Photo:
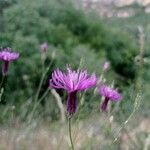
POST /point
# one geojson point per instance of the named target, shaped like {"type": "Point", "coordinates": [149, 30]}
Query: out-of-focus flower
{"type": "Point", "coordinates": [73, 82]}
{"type": "Point", "coordinates": [106, 66]}
{"type": "Point", "coordinates": [44, 47]}
{"type": "Point", "coordinates": [7, 55]}
{"type": "Point", "coordinates": [110, 94]}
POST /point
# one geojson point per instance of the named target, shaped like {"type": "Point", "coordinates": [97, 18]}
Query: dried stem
{"type": "Point", "coordinates": [138, 88]}
{"type": "Point", "coordinates": [60, 105]}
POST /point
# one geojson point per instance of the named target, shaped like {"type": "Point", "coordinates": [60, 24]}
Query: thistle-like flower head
{"type": "Point", "coordinates": [7, 55]}
{"type": "Point", "coordinates": [110, 94]}
{"type": "Point", "coordinates": [44, 47]}
{"type": "Point", "coordinates": [106, 66]}
{"type": "Point", "coordinates": [72, 81]}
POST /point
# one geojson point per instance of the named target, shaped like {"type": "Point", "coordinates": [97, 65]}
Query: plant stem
{"type": "Point", "coordinates": [42, 79]}
{"type": "Point", "coordinates": [37, 103]}
{"type": "Point", "coordinates": [3, 77]}
{"type": "Point", "coordinates": [70, 136]}
{"type": "Point", "coordinates": [39, 87]}
{"type": "Point", "coordinates": [138, 84]}
{"type": "Point", "coordinates": [36, 100]}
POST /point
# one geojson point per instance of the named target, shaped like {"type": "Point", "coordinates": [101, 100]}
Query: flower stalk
{"type": "Point", "coordinates": [3, 77]}
{"type": "Point", "coordinates": [70, 133]}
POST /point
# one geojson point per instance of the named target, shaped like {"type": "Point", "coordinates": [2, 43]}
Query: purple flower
{"type": "Point", "coordinates": [44, 47]}
{"type": "Point", "coordinates": [73, 82]}
{"type": "Point", "coordinates": [7, 55]}
{"type": "Point", "coordinates": [110, 94]}
{"type": "Point", "coordinates": [106, 66]}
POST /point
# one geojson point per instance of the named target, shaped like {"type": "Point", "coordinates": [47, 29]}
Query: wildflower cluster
{"type": "Point", "coordinates": [76, 81]}
{"type": "Point", "coordinates": [73, 81]}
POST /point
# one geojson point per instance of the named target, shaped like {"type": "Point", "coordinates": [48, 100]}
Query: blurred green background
{"type": "Point", "coordinates": [82, 38]}
{"type": "Point", "coordinates": [75, 37]}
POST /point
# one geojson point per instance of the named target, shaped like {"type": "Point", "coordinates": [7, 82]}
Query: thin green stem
{"type": "Point", "coordinates": [37, 104]}
{"type": "Point", "coordinates": [138, 86]}
{"type": "Point", "coordinates": [70, 135]}
{"type": "Point", "coordinates": [1, 88]}
{"type": "Point", "coordinates": [39, 87]}
{"type": "Point", "coordinates": [42, 79]}
{"type": "Point", "coordinates": [44, 95]}
{"type": "Point", "coordinates": [3, 77]}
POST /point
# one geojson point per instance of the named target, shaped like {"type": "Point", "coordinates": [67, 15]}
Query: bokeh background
{"type": "Point", "coordinates": [83, 33]}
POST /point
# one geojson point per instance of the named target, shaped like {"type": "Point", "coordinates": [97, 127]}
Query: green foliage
{"type": "Point", "coordinates": [121, 52]}
{"type": "Point", "coordinates": [73, 37]}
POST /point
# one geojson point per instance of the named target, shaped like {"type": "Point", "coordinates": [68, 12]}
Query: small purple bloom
{"type": "Point", "coordinates": [7, 55]}
{"type": "Point", "coordinates": [110, 94]}
{"type": "Point", "coordinates": [44, 47]}
{"type": "Point", "coordinates": [73, 82]}
{"type": "Point", "coordinates": [106, 65]}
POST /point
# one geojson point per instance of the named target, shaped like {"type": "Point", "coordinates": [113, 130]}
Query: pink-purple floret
{"type": "Point", "coordinates": [106, 65]}
{"type": "Point", "coordinates": [110, 93]}
{"type": "Point", "coordinates": [6, 54]}
{"type": "Point", "coordinates": [44, 47]}
{"type": "Point", "coordinates": [72, 80]}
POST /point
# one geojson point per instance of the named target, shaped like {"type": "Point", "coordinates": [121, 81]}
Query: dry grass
{"type": "Point", "coordinates": [87, 135]}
